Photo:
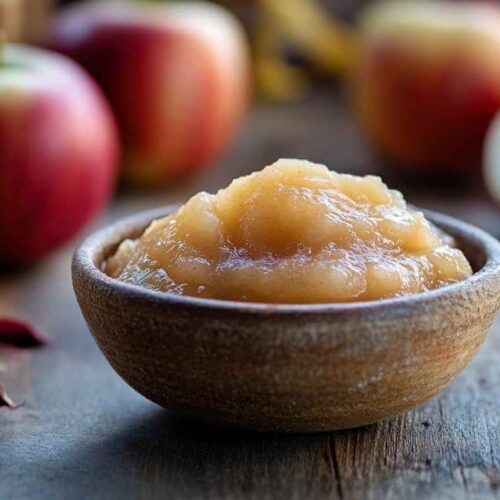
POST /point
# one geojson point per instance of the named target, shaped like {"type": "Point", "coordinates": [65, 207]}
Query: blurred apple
{"type": "Point", "coordinates": [492, 159]}
{"type": "Point", "coordinates": [58, 152]}
{"type": "Point", "coordinates": [176, 75]}
{"type": "Point", "coordinates": [427, 82]}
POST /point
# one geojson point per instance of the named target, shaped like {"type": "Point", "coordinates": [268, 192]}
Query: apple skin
{"type": "Point", "coordinates": [176, 75]}
{"type": "Point", "coordinates": [58, 152]}
{"type": "Point", "coordinates": [427, 82]}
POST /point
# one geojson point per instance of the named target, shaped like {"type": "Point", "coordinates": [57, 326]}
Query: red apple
{"type": "Point", "coordinates": [176, 75]}
{"type": "Point", "coordinates": [58, 152]}
{"type": "Point", "coordinates": [427, 82]}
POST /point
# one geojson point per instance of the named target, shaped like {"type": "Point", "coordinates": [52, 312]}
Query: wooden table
{"type": "Point", "coordinates": [82, 433]}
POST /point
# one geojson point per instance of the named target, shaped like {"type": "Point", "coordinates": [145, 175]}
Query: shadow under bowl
{"type": "Point", "coordinates": [273, 367]}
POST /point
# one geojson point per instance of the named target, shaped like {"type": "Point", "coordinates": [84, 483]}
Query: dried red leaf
{"type": "Point", "coordinates": [6, 400]}
{"type": "Point", "coordinates": [20, 334]}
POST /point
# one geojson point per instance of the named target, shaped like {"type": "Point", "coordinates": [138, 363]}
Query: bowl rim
{"type": "Point", "coordinates": [83, 264]}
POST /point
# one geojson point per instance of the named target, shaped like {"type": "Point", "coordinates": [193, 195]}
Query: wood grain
{"type": "Point", "coordinates": [83, 433]}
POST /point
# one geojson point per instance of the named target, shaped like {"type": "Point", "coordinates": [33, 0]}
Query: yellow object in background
{"type": "Point", "coordinates": [25, 20]}
{"type": "Point", "coordinates": [304, 25]}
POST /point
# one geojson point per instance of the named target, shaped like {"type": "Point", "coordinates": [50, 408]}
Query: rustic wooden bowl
{"type": "Point", "coordinates": [287, 367]}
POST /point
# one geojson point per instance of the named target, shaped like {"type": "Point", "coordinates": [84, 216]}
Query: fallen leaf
{"type": "Point", "coordinates": [5, 399]}
{"type": "Point", "coordinates": [20, 334]}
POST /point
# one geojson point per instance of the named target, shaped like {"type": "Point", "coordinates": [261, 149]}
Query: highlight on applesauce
{"type": "Point", "coordinates": [294, 232]}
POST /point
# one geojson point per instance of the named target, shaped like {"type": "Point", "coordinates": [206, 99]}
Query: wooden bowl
{"type": "Point", "coordinates": [287, 367]}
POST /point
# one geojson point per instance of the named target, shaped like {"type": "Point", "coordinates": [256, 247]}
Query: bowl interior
{"type": "Point", "coordinates": [472, 246]}
{"type": "Point", "coordinates": [481, 249]}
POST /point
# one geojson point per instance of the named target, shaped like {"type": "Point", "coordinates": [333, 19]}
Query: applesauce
{"type": "Point", "coordinates": [294, 232]}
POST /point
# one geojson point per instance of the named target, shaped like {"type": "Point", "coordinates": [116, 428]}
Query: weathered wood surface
{"type": "Point", "coordinates": [82, 433]}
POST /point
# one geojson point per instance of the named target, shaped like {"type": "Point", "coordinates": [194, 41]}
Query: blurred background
{"type": "Point", "coordinates": [168, 98]}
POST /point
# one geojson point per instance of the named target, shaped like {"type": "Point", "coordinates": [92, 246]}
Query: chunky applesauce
{"type": "Point", "coordinates": [294, 232]}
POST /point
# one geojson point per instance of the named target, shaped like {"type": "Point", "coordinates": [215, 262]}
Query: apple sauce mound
{"type": "Point", "coordinates": [294, 232]}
